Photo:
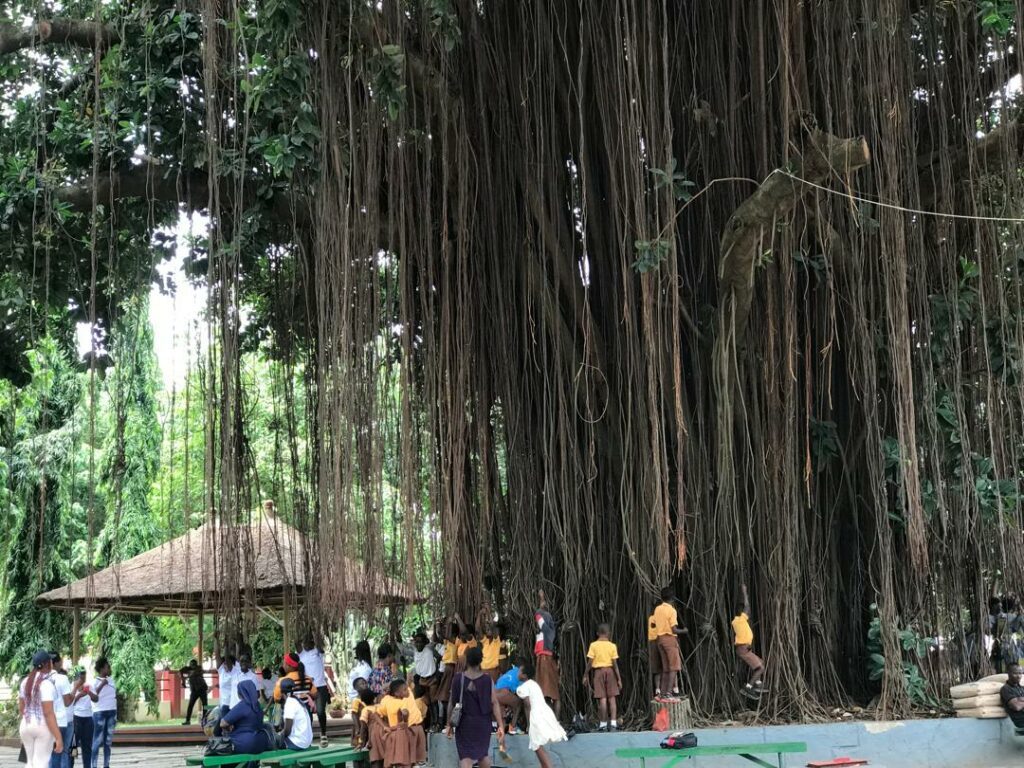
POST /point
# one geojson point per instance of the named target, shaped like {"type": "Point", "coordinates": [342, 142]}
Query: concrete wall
{"type": "Point", "coordinates": [943, 743]}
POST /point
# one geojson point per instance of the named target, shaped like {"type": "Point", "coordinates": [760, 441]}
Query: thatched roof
{"type": "Point", "coordinates": [268, 567]}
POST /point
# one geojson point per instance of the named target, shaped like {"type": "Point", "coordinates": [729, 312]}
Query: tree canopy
{"type": "Point", "coordinates": [588, 297]}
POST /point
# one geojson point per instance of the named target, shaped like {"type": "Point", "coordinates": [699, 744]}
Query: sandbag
{"type": "Point", "coordinates": [982, 713]}
{"type": "Point", "coordinates": [980, 688]}
{"type": "Point", "coordinates": [988, 700]}
{"type": "Point", "coordinates": [1000, 678]}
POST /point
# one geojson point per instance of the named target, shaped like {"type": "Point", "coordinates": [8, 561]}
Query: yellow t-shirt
{"type": "Point", "coordinates": [449, 653]}
{"type": "Point", "coordinates": [665, 617]}
{"type": "Point", "coordinates": [741, 626]}
{"type": "Point", "coordinates": [390, 707]}
{"type": "Point", "coordinates": [652, 629]}
{"type": "Point", "coordinates": [423, 705]}
{"type": "Point", "coordinates": [461, 647]}
{"type": "Point", "coordinates": [368, 710]}
{"type": "Point", "coordinates": [491, 650]}
{"type": "Point", "coordinates": [602, 654]}
{"type": "Point", "coordinates": [357, 708]}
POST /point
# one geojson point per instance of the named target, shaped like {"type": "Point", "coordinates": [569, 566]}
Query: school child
{"type": "Point", "coordinates": [466, 640]}
{"type": "Point", "coordinates": [603, 662]}
{"type": "Point", "coordinates": [375, 731]}
{"type": "Point", "coordinates": [405, 743]}
{"type": "Point", "coordinates": [548, 676]}
{"type": "Point", "coordinates": [653, 654]}
{"type": "Point", "coordinates": [544, 726]}
{"type": "Point", "coordinates": [490, 645]}
{"type": "Point", "coordinates": [666, 626]}
{"type": "Point", "coordinates": [447, 669]}
{"type": "Point", "coordinates": [364, 698]}
{"type": "Point", "coordinates": [744, 639]}
{"type": "Point", "coordinates": [505, 690]}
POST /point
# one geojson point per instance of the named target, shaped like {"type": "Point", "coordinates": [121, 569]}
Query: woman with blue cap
{"type": "Point", "coordinates": [39, 732]}
{"type": "Point", "coordinates": [243, 724]}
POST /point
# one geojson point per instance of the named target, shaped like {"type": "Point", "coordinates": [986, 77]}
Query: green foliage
{"type": "Point", "coordinates": [675, 180]}
{"type": "Point", "coordinates": [41, 479]}
{"type": "Point", "coordinates": [650, 254]}
{"type": "Point", "coordinates": [997, 16]}
{"type": "Point", "coordinates": [914, 646]}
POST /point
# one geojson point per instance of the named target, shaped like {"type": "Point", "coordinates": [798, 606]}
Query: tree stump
{"type": "Point", "coordinates": [680, 714]}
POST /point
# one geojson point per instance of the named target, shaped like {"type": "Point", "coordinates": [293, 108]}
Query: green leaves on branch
{"type": "Point", "coordinates": [670, 177]}
{"type": "Point", "coordinates": [387, 79]}
{"type": "Point", "coordinates": [650, 254]}
{"type": "Point", "coordinates": [443, 22]}
{"type": "Point", "coordinates": [997, 16]}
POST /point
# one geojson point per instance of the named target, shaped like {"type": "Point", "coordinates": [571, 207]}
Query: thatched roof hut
{"type": "Point", "coordinates": [269, 568]}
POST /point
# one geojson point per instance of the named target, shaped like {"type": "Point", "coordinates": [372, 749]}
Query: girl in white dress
{"type": "Point", "coordinates": [544, 726]}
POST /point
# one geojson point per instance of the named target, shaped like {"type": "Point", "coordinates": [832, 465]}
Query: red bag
{"type": "Point", "coordinates": [661, 719]}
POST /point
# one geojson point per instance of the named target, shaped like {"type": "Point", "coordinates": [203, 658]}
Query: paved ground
{"type": "Point", "coordinates": [125, 757]}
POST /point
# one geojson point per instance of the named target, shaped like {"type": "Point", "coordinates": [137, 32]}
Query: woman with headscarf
{"type": "Point", "coordinates": [243, 724]}
{"type": "Point", "coordinates": [39, 732]}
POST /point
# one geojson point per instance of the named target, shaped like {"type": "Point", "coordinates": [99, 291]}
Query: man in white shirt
{"type": "Point", "coordinates": [60, 711]}
{"type": "Point", "coordinates": [82, 721]}
{"type": "Point", "coordinates": [297, 731]}
{"type": "Point", "coordinates": [313, 662]}
{"type": "Point", "coordinates": [227, 680]}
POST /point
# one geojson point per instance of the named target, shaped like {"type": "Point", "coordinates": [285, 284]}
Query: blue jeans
{"type": "Point", "coordinates": [103, 735]}
{"type": "Point", "coordinates": [83, 735]}
{"type": "Point", "coordinates": [60, 760]}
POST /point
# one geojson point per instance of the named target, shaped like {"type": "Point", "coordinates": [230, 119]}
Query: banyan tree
{"type": "Point", "coordinates": [622, 292]}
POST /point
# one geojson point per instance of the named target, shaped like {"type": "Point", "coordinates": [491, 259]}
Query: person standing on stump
{"type": "Point", "coordinates": [667, 630]}
{"type": "Point", "coordinates": [743, 642]}
{"type": "Point", "coordinates": [547, 674]}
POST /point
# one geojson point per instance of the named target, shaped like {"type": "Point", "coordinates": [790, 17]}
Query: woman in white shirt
{"type": "Point", "coordinates": [83, 718]}
{"type": "Point", "coordinates": [39, 732]}
{"type": "Point", "coordinates": [363, 668]}
{"type": "Point", "coordinates": [297, 732]}
{"type": "Point", "coordinates": [104, 713]}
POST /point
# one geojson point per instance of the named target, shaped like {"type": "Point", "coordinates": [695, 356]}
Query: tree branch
{"type": "Point", "coordinates": [80, 33]}
{"type": "Point", "coordinates": [750, 227]}
{"type": "Point", "coordinates": [149, 182]}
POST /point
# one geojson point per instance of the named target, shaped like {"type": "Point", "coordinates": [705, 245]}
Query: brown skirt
{"type": "Point", "coordinates": [654, 657]}
{"type": "Point", "coordinates": [377, 735]}
{"type": "Point", "coordinates": [418, 743]}
{"type": "Point", "coordinates": [398, 746]}
{"type": "Point", "coordinates": [547, 676]}
{"type": "Point", "coordinates": [671, 658]}
{"type": "Point", "coordinates": [606, 685]}
{"type": "Point", "coordinates": [444, 686]}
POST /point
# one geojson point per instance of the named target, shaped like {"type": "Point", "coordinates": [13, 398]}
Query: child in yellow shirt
{"type": "Point", "coordinates": [603, 661]}
{"type": "Point", "coordinates": [743, 640]}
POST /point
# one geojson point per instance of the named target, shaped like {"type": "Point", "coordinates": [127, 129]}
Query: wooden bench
{"type": "Point", "coordinates": [746, 751]}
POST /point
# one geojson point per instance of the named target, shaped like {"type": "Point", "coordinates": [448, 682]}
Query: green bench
{"type": "Point", "coordinates": [284, 758]}
{"type": "Point", "coordinates": [747, 751]}
{"type": "Point", "coordinates": [334, 757]}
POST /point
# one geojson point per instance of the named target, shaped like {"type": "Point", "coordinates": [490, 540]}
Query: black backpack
{"type": "Point", "coordinates": [679, 740]}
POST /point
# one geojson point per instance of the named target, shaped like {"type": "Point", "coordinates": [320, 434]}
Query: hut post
{"type": "Point", "coordinates": [285, 629]}
{"type": "Point", "coordinates": [199, 632]}
{"type": "Point", "coordinates": [76, 623]}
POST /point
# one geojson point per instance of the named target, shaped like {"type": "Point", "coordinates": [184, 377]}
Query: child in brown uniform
{"type": "Point", "coordinates": [603, 661]}
{"type": "Point", "coordinates": [666, 628]}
